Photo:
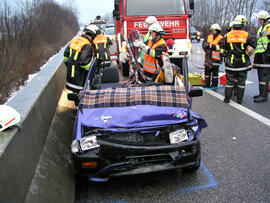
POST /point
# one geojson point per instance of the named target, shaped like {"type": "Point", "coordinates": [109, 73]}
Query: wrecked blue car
{"type": "Point", "coordinates": [122, 131]}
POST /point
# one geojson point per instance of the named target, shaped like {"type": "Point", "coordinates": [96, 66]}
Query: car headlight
{"type": "Point", "coordinates": [198, 33]}
{"type": "Point", "coordinates": [89, 142]}
{"type": "Point", "coordinates": [75, 146]}
{"type": "Point", "coordinates": [178, 136]}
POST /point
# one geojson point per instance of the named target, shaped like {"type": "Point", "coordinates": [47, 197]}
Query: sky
{"type": "Point", "coordinates": [89, 9]}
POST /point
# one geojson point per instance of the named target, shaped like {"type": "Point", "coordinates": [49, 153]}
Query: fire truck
{"type": "Point", "coordinates": [173, 16]}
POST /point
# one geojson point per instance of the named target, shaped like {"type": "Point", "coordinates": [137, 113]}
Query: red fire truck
{"type": "Point", "coordinates": [173, 16]}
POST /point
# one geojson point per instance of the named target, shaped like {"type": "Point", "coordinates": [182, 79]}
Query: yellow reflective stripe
{"type": "Point", "coordinates": [104, 45]}
{"type": "Point", "coordinates": [96, 46]}
{"type": "Point", "coordinates": [97, 55]}
{"type": "Point", "coordinates": [232, 58]}
{"type": "Point", "coordinates": [72, 71]}
{"type": "Point", "coordinates": [218, 47]}
{"type": "Point", "coordinates": [242, 46]}
{"type": "Point", "coordinates": [86, 66]}
{"type": "Point", "coordinates": [152, 53]}
{"type": "Point", "coordinates": [106, 55]}
{"type": "Point", "coordinates": [76, 56]}
{"type": "Point", "coordinates": [70, 52]}
{"type": "Point", "coordinates": [243, 58]}
{"type": "Point", "coordinates": [231, 45]}
{"type": "Point", "coordinates": [65, 58]}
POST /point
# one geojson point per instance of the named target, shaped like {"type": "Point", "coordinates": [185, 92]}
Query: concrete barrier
{"type": "Point", "coordinates": [20, 149]}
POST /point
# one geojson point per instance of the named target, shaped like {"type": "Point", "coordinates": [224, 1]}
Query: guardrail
{"type": "Point", "coordinates": [20, 148]}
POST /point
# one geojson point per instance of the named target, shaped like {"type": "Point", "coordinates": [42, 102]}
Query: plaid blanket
{"type": "Point", "coordinates": [147, 95]}
{"type": "Point", "coordinates": [135, 72]}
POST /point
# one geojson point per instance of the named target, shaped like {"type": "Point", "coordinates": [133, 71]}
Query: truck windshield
{"type": "Point", "coordinates": [155, 7]}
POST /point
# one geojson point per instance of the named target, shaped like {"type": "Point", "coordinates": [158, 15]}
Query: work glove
{"type": "Point", "coordinates": [124, 57]}
{"type": "Point", "coordinates": [140, 44]}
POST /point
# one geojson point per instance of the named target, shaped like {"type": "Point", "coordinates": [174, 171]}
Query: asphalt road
{"type": "Point", "coordinates": [235, 157]}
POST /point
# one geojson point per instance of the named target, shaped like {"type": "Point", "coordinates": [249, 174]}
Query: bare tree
{"type": "Point", "coordinates": [29, 35]}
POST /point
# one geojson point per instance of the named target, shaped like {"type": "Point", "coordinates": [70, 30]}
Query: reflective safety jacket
{"type": "Point", "coordinates": [101, 48]}
{"type": "Point", "coordinates": [153, 59]}
{"type": "Point", "coordinates": [262, 52]}
{"type": "Point", "coordinates": [215, 53]}
{"type": "Point", "coordinates": [77, 57]}
{"type": "Point", "coordinates": [236, 43]}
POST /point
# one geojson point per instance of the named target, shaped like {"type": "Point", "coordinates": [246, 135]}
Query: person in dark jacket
{"type": "Point", "coordinates": [77, 58]}
{"type": "Point", "coordinates": [262, 56]}
{"type": "Point", "coordinates": [101, 47]}
{"type": "Point", "coordinates": [213, 49]}
{"type": "Point", "coordinates": [237, 49]}
{"type": "Point", "coordinates": [153, 51]}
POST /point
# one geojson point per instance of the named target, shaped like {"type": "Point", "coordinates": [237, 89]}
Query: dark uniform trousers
{"type": "Point", "coordinates": [264, 76]}
{"type": "Point", "coordinates": [214, 71]}
{"type": "Point", "coordinates": [232, 77]}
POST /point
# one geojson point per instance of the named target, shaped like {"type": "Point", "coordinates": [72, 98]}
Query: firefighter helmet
{"type": "Point", "coordinates": [263, 15]}
{"type": "Point", "coordinates": [150, 20]}
{"type": "Point", "coordinates": [8, 117]}
{"type": "Point", "coordinates": [240, 20]}
{"type": "Point", "coordinates": [229, 26]}
{"type": "Point", "coordinates": [215, 27]}
{"type": "Point", "coordinates": [91, 30]}
{"type": "Point", "coordinates": [156, 28]}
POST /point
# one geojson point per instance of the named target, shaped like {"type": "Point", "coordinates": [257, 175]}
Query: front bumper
{"type": "Point", "coordinates": [121, 160]}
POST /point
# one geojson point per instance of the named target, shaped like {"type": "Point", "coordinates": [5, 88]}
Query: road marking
{"type": "Point", "coordinates": [209, 176]}
{"type": "Point", "coordinates": [245, 110]}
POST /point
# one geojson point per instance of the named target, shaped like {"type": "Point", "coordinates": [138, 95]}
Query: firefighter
{"type": "Point", "coordinates": [229, 27]}
{"type": "Point", "coordinates": [153, 51]}
{"type": "Point", "coordinates": [213, 49]}
{"type": "Point", "coordinates": [77, 58]}
{"type": "Point", "coordinates": [101, 47]}
{"type": "Point", "coordinates": [237, 45]}
{"type": "Point", "coordinates": [262, 56]}
{"type": "Point", "coordinates": [150, 20]}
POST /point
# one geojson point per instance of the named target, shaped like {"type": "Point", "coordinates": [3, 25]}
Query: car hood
{"type": "Point", "coordinates": [138, 116]}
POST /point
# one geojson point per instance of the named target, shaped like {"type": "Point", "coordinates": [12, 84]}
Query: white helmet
{"type": "Point", "coordinates": [91, 29]}
{"type": "Point", "coordinates": [240, 20]}
{"type": "Point", "coordinates": [263, 15]}
{"type": "Point", "coordinates": [215, 27]}
{"type": "Point", "coordinates": [156, 28]}
{"type": "Point", "coordinates": [8, 117]}
{"type": "Point", "coordinates": [229, 25]}
{"type": "Point", "coordinates": [150, 20]}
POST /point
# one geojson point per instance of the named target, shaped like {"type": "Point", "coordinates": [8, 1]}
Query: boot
{"type": "Point", "coordinates": [263, 94]}
{"type": "Point", "coordinates": [261, 99]}
{"type": "Point", "coordinates": [226, 100]}
{"type": "Point", "coordinates": [214, 82]}
{"type": "Point", "coordinates": [260, 90]}
{"type": "Point", "coordinates": [207, 82]}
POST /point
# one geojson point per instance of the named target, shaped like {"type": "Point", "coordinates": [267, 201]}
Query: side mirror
{"type": "Point", "coordinates": [195, 92]}
{"type": "Point", "coordinates": [73, 97]}
{"type": "Point", "coordinates": [191, 4]}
